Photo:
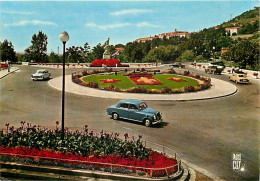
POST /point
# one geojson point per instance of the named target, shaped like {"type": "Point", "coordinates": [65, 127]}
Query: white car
{"type": "Point", "coordinates": [41, 74]}
{"type": "Point", "coordinates": [239, 78]}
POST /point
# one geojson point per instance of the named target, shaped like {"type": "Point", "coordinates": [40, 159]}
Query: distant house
{"type": "Point", "coordinates": [232, 30]}
{"type": "Point", "coordinates": [217, 27]}
{"type": "Point", "coordinates": [142, 40]}
{"type": "Point", "coordinates": [176, 33]}
{"type": "Point", "coordinates": [224, 50]}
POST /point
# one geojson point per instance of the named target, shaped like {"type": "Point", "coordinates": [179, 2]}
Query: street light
{"type": "Point", "coordinates": [64, 37]}
{"type": "Point", "coordinates": [213, 53]}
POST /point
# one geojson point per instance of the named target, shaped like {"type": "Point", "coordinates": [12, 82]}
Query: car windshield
{"type": "Point", "coordinates": [40, 71]}
{"type": "Point", "coordinates": [142, 106]}
{"type": "Point", "coordinates": [240, 75]}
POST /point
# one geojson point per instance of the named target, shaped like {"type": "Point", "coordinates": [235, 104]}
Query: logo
{"type": "Point", "coordinates": [237, 162]}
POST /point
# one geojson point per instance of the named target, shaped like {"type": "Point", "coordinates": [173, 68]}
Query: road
{"type": "Point", "coordinates": [205, 133]}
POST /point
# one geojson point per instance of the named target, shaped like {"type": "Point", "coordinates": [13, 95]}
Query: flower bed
{"type": "Point", "coordinates": [177, 79]}
{"type": "Point", "coordinates": [87, 148]}
{"type": "Point", "coordinates": [109, 80]}
{"type": "Point", "coordinates": [146, 81]}
{"type": "Point", "coordinates": [108, 63]}
{"type": "Point", "coordinates": [3, 65]}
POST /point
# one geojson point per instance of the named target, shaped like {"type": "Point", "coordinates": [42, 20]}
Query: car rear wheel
{"type": "Point", "coordinates": [115, 116]}
{"type": "Point", "coordinates": [147, 122]}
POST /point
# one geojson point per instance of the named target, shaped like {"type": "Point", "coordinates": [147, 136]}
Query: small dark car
{"type": "Point", "coordinates": [135, 110]}
{"type": "Point", "coordinates": [177, 65]}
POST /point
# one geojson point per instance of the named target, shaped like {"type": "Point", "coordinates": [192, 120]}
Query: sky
{"type": "Point", "coordinates": [121, 21]}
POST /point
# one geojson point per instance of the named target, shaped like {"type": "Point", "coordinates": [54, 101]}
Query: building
{"type": "Point", "coordinates": [181, 34]}
{"type": "Point", "coordinates": [142, 40]}
{"type": "Point", "coordinates": [224, 50]}
{"type": "Point", "coordinates": [232, 30]}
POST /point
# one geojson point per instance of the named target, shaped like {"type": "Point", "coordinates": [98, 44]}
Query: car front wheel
{"type": "Point", "coordinates": [115, 116]}
{"type": "Point", "coordinates": [147, 122]}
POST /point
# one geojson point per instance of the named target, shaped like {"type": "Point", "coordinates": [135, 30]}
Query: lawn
{"type": "Point", "coordinates": [126, 83]}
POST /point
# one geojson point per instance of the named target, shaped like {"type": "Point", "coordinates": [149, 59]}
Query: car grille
{"type": "Point", "coordinates": [158, 116]}
{"type": "Point", "coordinates": [36, 76]}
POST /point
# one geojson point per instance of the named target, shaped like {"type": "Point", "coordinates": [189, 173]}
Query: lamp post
{"type": "Point", "coordinates": [64, 37]}
{"type": "Point", "coordinates": [213, 54]}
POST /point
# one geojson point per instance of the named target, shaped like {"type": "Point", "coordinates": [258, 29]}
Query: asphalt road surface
{"type": "Point", "coordinates": [205, 133]}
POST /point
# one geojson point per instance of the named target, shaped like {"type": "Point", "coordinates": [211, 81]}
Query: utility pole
{"type": "Point", "coordinates": [58, 51]}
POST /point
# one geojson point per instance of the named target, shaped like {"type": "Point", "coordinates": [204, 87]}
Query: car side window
{"type": "Point", "coordinates": [132, 106]}
{"type": "Point", "coordinates": [123, 105]}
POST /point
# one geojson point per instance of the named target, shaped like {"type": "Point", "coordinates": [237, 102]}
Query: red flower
{"type": "Point", "coordinates": [109, 80]}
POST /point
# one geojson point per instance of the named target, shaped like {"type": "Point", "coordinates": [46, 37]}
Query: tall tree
{"type": "Point", "coordinates": [7, 51]}
{"type": "Point", "coordinates": [75, 54]}
{"type": "Point", "coordinates": [38, 50]}
{"type": "Point", "coordinates": [98, 51]}
{"type": "Point", "coordinates": [245, 53]}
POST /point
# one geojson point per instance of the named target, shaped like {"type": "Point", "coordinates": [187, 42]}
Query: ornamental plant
{"type": "Point", "coordinates": [30, 141]}
{"type": "Point", "coordinates": [83, 143]}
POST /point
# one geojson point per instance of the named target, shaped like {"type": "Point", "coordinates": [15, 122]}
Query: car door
{"type": "Point", "coordinates": [123, 110]}
{"type": "Point", "coordinates": [134, 113]}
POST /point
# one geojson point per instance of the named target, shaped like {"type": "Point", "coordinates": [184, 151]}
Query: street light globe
{"type": "Point", "coordinates": [64, 37]}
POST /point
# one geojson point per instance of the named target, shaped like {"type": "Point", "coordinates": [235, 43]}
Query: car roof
{"type": "Point", "coordinates": [42, 70]}
{"type": "Point", "coordinates": [132, 101]}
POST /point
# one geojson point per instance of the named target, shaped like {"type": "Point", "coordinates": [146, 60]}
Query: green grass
{"type": "Point", "coordinates": [126, 83]}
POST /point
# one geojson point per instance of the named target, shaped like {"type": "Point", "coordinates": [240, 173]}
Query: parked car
{"type": "Point", "coordinates": [135, 110]}
{"type": "Point", "coordinates": [41, 74]}
{"type": "Point", "coordinates": [239, 78]}
{"type": "Point", "coordinates": [215, 67]}
{"type": "Point", "coordinates": [177, 65]}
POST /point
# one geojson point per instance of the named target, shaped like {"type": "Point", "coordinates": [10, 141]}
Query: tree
{"type": "Point", "coordinates": [54, 58]}
{"type": "Point", "coordinates": [75, 54]}
{"type": "Point", "coordinates": [188, 55]}
{"type": "Point", "coordinates": [7, 51]}
{"type": "Point", "coordinates": [97, 52]}
{"type": "Point", "coordinates": [245, 53]}
{"type": "Point", "coordinates": [38, 50]}
{"type": "Point", "coordinates": [137, 54]}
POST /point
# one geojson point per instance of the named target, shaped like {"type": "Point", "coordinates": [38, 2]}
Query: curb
{"type": "Point", "coordinates": [60, 172]}
{"type": "Point", "coordinates": [223, 89]}
{"type": "Point", "coordinates": [205, 172]}
{"type": "Point", "coordinates": [16, 69]}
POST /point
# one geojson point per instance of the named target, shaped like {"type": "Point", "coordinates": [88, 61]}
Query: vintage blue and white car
{"type": "Point", "coordinates": [41, 74]}
{"type": "Point", "coordinates": [135, 110]}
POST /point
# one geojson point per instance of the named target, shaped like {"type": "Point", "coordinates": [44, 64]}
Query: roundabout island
{"type": "Point", "coordinates": [218, 88]}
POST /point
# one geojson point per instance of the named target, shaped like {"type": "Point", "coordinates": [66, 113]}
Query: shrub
{"type": "Point", "coordinates": [137, 90]}
{"type": "Point", "coordinates": [197, 76]}
{"type": "Point", "coordinates": [166, 90]}
{"type": "Point", "coordinates": [189, 89]}
{"type": "Point", "coordinates": [85, 73]}
{"type": "Point", "coordinates": [186, 73]}
{"type": "Point", "coordinates": [77, 81]}
{"type": "Point", "coordinates": [109, 87]}
{"type": "Point", "coordinates": [93, 84]}
{"type": "Point", "coordinates": [171, 72]}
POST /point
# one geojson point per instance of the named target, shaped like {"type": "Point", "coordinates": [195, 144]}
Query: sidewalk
{"type": "Point", "coordinates": [5, 72]}
{"type": "Point", "coordinates": [219, 89]}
